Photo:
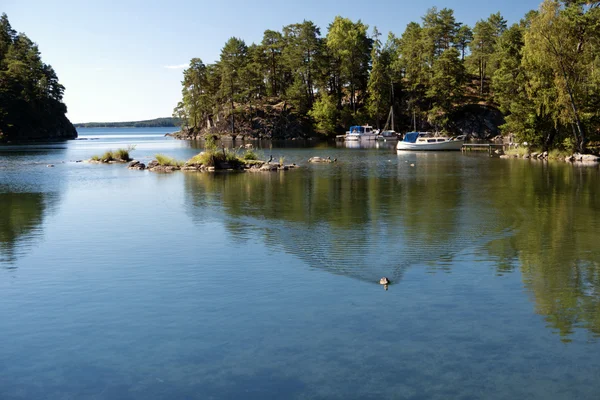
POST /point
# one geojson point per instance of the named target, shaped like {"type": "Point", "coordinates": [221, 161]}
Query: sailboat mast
{"type": "Point", "coordinates": [414, 121]}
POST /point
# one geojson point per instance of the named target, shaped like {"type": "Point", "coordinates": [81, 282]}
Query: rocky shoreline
{"type": "Point", "coordinates": [576, 157]}
{"type": "Point", "coordinates": [250, 166]}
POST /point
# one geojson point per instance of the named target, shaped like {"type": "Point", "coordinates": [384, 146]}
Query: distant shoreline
{"type": "Point", "coordinates": [151, 123]}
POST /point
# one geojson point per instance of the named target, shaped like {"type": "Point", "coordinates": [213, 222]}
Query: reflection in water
{"type": "Point", "coordinates": [555, 212]}
{"type": "Point", "coordinates": [368, 224]}
{"type": "Point", "coordinates": [20, 221]}
{"type": "Point", "coordinates": [366, 144]}
{"type": "Point", "coordinates": [345, 221]}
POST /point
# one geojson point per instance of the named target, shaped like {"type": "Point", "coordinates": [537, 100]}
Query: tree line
{"type": "Point", "coordinates": [541, 73]}
{"type": "Point", "coordinates": [31, 104]}
{"type": "Point", "coordinates": [150, 123]}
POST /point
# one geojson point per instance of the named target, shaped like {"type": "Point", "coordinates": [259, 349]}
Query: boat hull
{"type": "Point", "coordinates": [451, 145]}
{"type": "Point", "coordinates": [356, 138]}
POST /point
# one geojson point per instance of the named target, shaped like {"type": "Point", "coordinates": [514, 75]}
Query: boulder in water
{"type": "Point", "coordinates": [321, 160]}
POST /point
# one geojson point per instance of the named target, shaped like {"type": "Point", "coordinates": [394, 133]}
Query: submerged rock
{"type": "Point", "coordinates": [321, 160]}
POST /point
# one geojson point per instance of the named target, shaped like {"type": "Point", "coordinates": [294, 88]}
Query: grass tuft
{"type": "Point", "coordinates": [250, 155]}
{"type": "Point", "coordinates": [519, 151]}
{"type": "Point", "coordinates": [116, 155]}
{"type": "Point", "coordinates": [558, 154]}
{"type": "Point", "coordinates": [211, 158]}
{"type": "Point", "coordinates": [167, 161]}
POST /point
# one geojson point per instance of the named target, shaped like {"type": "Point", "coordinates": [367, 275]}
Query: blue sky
{"type": "Point", "coordinates": [112, 56]}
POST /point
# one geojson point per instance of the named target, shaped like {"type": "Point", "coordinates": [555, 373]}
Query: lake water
{"type": "Point", "coordinates": [119, 284]}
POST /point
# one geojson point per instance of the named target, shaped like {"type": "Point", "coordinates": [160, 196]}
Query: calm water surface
{"type": "Point", "coordinates": [119, 284]}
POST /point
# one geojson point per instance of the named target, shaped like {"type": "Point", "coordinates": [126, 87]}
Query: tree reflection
{"type": "Point", "coordinates": [21, 215]}
{"type": "Point", "coordinates": [347, 221]}
{"type": "Point", "coordinates": [370, 222]}
{"type": "Point", "coordinates": [554, 211]}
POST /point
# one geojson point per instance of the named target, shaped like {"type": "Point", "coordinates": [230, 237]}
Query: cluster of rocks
{"type": "Point", "coordinates": [137, 165]}
{"type": "Point", "coordinates": [582, 158]}
{"type": "Point", "coordinates": [267, 166]}
{"type": "Point", "coordinates": [252, 166]}
{"type": "Point", "coordinates": [112, 161]}
{"type": "Point", "coordinates": [544, 156]}
{"type": "Point", "coordinates": [534, 155]}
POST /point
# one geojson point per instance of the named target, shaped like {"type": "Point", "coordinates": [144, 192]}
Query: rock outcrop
{"type": "Point", "coordinates": [273, 119]}
{"type": "Point", "coordinates": [477, 121]}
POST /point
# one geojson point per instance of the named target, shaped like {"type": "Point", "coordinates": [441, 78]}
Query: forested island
{"type": "Point", "coordinates": [537, 80]}
{"type": "Point", "coordinates": [151, 123]}
{"type": "Point", "coordinates": [31, 106]}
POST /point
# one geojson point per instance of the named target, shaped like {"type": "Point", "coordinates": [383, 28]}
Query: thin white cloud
{"type": "Point", "coordinates": [180, 66]}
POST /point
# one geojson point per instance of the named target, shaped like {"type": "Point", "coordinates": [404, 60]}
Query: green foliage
{"type": "Point", "coordinates": [210, 143]}
{"type": "Point", "coordinates": [31, 104]}
{"type": "Point", "coordinates": [558, 154]}
{"type": "Point", "coordinates": [167, 161]}
{"type": "Point", "coordinates": [547, 81]}
{"type": "Point", "coordinates": [446, 86]}
{"type": "Point", "coordinates": [348, 43]}
{"type": "Point", "coordinates": [214, 157]}
{"type": "Point", "coordinates": [325, 113]}
{"type": "Point", "coordinates": [543, 74]}
{"type": "Point", "coordinates": [379, 83]}
{"type": "Point", "coordinates": [250, 155]}
{"type": "Point", "coordinates": [519, 151]}
{"type": "Point", "coordinates": [120, 155]}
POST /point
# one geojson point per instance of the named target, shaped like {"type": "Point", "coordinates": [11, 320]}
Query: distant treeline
{"type": "Point", "coordinates": [151, 123]}
{"type": "Point", "coordinates": [542, 74]}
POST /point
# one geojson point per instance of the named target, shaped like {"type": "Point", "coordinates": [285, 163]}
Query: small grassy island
{"type": "Point", "coordinates": [116, 156]}
{"type": "Point", "coordinates": [31, 107]}
{"type": "Point", "coordinates": [536, 80]}
{"type": "Point", "coordinates": [211, 159]}
{"type": "Point", "coordinates": [215, 159]}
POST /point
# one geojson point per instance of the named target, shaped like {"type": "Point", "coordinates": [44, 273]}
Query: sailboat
{"type": "Point", "coordinates": [389, 135]}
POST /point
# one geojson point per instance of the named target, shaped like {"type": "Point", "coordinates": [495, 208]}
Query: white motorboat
{"type": "Point", "coordinates": [427, 141]}
{"type": "Point", "coordinates": [364, 132]}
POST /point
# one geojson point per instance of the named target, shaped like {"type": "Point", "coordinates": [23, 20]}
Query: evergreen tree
{"type": "Point", "coordinates": [196, 102]}
{"type": "Point", "coordinates": [302, 51]}
{"type": "Point", "coordinates": [379, 83]}
{"type": "Point", "coordinates": [348, 42]}
{"type": "Point", "coordinates": [233, 59]}
{"type": "Point", "coordinates": [446, 86]}
{"type": "Point", "coordinates": [30, 94]}
{"type": "Point", "coordinates": [464, 36]}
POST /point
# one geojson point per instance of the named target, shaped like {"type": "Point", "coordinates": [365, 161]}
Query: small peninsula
{"type": "Point", "coordinates": [535, 80]}
{"type": "Point", "coordinates": [31, 107]}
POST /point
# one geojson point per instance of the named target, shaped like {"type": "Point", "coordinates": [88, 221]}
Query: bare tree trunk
{"type": "Point", "coordinates": [232, 117]}
{"type": "Point", "coordinates": [481, 77]}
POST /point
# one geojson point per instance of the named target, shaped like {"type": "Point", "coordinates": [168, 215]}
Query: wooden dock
{"type": "Point", "coordinates": [489, 147]}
